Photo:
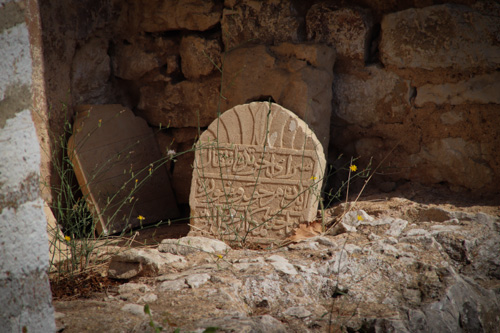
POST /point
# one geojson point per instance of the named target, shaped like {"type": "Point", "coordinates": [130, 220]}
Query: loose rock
{"type": "Point", "coordinates": [193, 244]}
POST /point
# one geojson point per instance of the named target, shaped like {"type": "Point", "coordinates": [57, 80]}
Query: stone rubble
{"type": "Point", "coordinates": [193, 244]}
{"type": "Point", "coordinates": [438, 269]}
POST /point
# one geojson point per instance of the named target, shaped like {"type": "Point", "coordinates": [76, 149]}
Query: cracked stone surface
{"type": "Point", "coordinates": [402, 266]}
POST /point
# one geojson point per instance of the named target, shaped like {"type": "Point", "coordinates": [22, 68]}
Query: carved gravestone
{"type": "Point", "coordinates": [119, 168]}
{"type": "Point", "coordinates": [257, 174]}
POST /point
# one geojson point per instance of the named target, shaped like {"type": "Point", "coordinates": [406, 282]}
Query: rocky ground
{"type": "Point", "coordinates": [417, 261]}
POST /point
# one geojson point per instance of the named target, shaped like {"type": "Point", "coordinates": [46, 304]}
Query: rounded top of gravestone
{"type": "Point", "coordinates": [253, 123]}
{"type": "Point", "coordinates": [257, 175]}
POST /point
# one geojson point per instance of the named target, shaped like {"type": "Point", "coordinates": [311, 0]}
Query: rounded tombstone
{"type": "Point", "coordinates": [257, 174]}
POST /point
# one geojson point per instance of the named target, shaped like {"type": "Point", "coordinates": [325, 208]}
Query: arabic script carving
{"type": "Point", "coordinates": [244, 190]}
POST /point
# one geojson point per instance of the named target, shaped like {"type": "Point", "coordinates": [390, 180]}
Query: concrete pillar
{"type": "Point", "coordinates": [25, 298]}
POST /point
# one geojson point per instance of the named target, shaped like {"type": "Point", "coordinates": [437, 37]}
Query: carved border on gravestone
{"type": "Point", "coordinates": [258, 173]}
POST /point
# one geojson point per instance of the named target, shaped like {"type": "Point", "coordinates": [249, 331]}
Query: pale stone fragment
{"type": "Point", "coordinates": [190, 244]}
{"type": "Point", "coordinates": [197, 280]}
{"type": "Point", "coordinates": [281, 264]}
{"type": "Point", "coordinates": [257, 174]}
{"type": "Point", "coordinates": [397, 226]}
{"type": "Point", "coordinates": [172, 285]}
{"type": "Point", "coordinates": [142, 262]}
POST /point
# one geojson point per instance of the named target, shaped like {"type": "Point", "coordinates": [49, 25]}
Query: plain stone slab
{"type": "Point", "coordinates": [257, 174]}
{"type": "Point", "coordinates": [114, 154]}
{"type": "Point", "coordinates": [193, 244]}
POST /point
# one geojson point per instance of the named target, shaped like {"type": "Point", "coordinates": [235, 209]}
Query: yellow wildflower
{"type": "Point", "coordinates": [353, 168]}
{"type": "Point", "coordinates": [67, 238]}
{"type": "Point", "coordinates": [360, 218]}
{"type": "Point", "coordinates": [141, 218]}
{"type": "Point", "coordinates": [220, 256]}
{"type": "Point", "coordinates": [314, 178]}
{"type": "Point", "coordinates": [100, 123]}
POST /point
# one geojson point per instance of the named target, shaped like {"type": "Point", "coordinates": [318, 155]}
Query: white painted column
{"type": "Point", "coordinates": [25, 298]}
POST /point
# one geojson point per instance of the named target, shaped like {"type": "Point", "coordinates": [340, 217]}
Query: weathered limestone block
{"type": "Point", "coordinates": [131, 62]}
{"type": "Point", "coordinates": [185, 104]}
{"type": "Point", "coordinates": [119, 169]}
{"type": "Point", "coordinates": [257, 174]}
{"type": "Point", "coordinates": [198, 56]}
{"type": "Point", "coordinates": [372, 94]}
{"type": "Point", "coordinates": [263, 22]}
{"type": "Point", "coordinates": [163, 15]}
{"type": "Point", "coordinates": [90, 72]}
{"type": "Point", "coordinates": [133, 58]}
{"type": "Point", "coordinates": [348, 29]}
{"type": "Point", "coordinates": [296, 76]}
{"type": "Point", "coordinates": [455, 161]}
{"type": "Point", "coordinates": [440, 36]}
{"type": "Point", "coordinates": [481, 89]}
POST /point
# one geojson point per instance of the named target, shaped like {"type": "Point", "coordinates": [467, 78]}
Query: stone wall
{"type": "Point", "coordinates": [25, 296]}
{"type": "Point", "coordinates": [406, 83]}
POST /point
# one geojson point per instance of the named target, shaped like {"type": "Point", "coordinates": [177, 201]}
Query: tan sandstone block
{"type": "Point", "coordinates": [348, 29]}
{"type": "Point", "coordinates": [161, 15]}
{"type": "Point", "coordinates": [441, 36]}
{"type": "Point", "coordinates": [199, 56]}
{"type": "Point", "coordinates": [257, 174]}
